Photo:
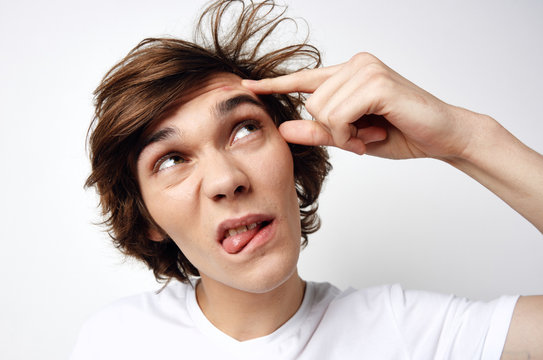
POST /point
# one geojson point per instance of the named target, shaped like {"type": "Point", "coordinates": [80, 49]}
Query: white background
{"type": "Point", "coordinates": [420, 223]}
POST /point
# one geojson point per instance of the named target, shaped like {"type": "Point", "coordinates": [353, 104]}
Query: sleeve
{"type": "Point", "coordinates": [83, 349]}
{"type": "Point", "coordinates": [448, 327]}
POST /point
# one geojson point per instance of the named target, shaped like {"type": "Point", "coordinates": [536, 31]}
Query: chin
{"type": "Point", "coordinates": [266, 277]}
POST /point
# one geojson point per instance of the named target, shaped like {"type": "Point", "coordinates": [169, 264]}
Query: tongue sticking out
{"type": "Point", "coordinates": [235, 243]}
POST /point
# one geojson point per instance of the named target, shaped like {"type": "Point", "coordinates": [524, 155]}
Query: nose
{"type": "Point", "coordinates": [223, 178]}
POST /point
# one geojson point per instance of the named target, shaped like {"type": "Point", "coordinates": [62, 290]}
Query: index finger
{"type": "Point", "coordinates": [302, 81]}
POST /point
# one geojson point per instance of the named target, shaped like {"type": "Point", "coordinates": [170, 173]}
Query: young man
{"type": "Point", "coordinates": [212, 181]}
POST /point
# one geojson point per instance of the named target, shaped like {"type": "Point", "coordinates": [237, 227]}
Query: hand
{"type": "Point", "coordinates": [365, 107]}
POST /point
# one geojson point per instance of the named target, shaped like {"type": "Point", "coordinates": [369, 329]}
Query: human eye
{"type": "Point", "coordinates": [168, 161]}
{"type": "Point", "coordinates": [246, 128]}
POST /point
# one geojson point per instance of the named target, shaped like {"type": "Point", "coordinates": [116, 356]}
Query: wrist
{"type": "Point", "coordinates": [503, 164]}
{"type": "Point", "coordinates": [480, 137]}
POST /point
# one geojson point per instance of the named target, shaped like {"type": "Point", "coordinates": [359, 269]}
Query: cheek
{"type": "Point", "coordinates": [171, 209]}
{"type": "Point", "coordinates": [276, 165]}
{"type": "Point", "coordinates": [277, 173]}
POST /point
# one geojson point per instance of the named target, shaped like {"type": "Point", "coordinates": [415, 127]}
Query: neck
{"type": "Point", "coordinates": [244, 315]}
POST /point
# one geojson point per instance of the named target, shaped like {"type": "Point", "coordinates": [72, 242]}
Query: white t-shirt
{"type": "Point", "coordinates": [383, 322]}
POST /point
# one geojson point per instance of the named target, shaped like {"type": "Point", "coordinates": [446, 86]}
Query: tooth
{"type": "Point", "coordinates": [240, 229]}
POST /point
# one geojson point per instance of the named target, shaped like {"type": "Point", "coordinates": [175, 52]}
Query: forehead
{"type": "Point", "coordinates": [212, 90]}
{"type": "Point", "coordinates": [203, 97]}
{"type": "Point", "coordinates": [213, 98]}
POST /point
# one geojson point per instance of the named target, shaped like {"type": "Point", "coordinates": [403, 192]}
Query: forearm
{"type": "Point", "coordinates": [503, 164]}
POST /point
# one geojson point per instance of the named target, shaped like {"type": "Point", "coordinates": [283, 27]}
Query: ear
{"type": "Point", "coordinates": [155, 234]}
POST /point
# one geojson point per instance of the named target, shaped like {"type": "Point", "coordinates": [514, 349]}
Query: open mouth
{"type": "Point", "coordinates": [235, 239]}
{"type": "Point", "coordinates": [243, 228]}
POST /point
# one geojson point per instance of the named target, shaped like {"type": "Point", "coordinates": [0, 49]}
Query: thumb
{"type": "Point", "coordinates": [305, 132]}
{"type": "Point", "coordinates": [314, 133]}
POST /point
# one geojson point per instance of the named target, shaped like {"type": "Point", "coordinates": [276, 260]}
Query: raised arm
{"type": "Point", "coordinates": [365, 107]}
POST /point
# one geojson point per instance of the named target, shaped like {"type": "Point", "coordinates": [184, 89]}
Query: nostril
{"type": "Point", "coordinates": [232, 193]}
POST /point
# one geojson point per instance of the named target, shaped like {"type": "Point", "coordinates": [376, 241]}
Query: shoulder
{"type": "Point", "coordinates": [369, 298]}
{"type": "Point", "coordinates": [406, 306]}
{"type": "Point", "coordinates": [138, 319]}
{"type": "Point", "coordinates": [357, 304]}
{"type": "Point", "coordinates": [450, 325]}
{"type": "Point", "coordinates": [142, 306]}
{"type": "Point", "coordinates": [358, 307]}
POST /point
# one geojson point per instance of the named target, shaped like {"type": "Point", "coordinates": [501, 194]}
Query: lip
{"type": "Point", "coordinates": [236, 222]}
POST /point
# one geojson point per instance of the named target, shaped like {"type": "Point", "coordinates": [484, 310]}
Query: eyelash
{"type": "Point", "coordinates": [252, 122]}
{"type": "Point", "coordinates": [165, 158]}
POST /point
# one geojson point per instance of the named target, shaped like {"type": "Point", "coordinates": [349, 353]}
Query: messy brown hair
{"type": "Point", "coordinates": [150, 80]}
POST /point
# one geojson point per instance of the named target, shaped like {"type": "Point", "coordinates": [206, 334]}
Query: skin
{"type": "Point", "coordinates": [214, 166]}
{"type": "Point", "coordinates": [360, 106]}
{"type": "Point", "coordinates": [365, 107]}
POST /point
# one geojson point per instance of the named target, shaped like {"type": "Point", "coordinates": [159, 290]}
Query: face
{"type": "Point", "coordinates": [217, 177]}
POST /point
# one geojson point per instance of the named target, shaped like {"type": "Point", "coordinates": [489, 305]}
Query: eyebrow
{"type": "Point", "coordinates": [160, 135]}
{"type": "Point", "coordinates": [221, 109]}
{"type": "Point", "coordinates": [225, 107]}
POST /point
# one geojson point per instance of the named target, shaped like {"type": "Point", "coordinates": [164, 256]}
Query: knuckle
{"type": "Point", "coordinates": [265, 82]}
{"type": "Point", "coordinates": [362, 58]}
{"type": "Point", "coordinates": [340, 140]}
{"type": "Point", "coordinates": [296, 78]}
{"type": "Point", "coordinates": [311, 106]}
{"type": "Point", "coordinates": [376, 68]}
{"type": "Point", "coordinates": [335, 118]}
{"type": "Point", "coordinates": [378, 76]}
{"type": "Point", "coordinates": [338, 128]}
{"type": "Point", "coordinates": [313, 134]}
